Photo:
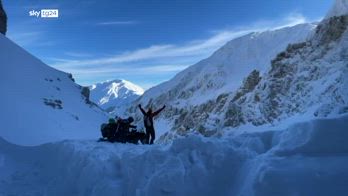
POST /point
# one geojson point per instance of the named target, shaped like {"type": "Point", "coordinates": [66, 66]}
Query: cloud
{"type": "Point", "coordinates": [133, 70]}
{"type": "Point", "coordinates": [108, 23]}
{"type": "Point", "coordinates": [78, 54]}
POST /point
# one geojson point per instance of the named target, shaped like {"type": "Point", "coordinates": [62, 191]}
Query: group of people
{"type": "Point", "coordinates": [122, 130]}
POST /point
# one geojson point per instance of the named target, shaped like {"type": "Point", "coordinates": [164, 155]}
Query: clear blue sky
{"type": "Point", "coordinates": [146, 42]}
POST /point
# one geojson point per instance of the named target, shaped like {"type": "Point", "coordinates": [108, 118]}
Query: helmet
{"type": "Point", "coordinates": [111, 121]}
{"type": "Point", "coordinates": [130, 119]}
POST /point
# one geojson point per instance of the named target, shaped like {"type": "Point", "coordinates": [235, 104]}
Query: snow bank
{"type": "Point", "coordinates": [306, 159]}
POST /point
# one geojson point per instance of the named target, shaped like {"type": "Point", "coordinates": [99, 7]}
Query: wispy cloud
{"type": "Point", "coordinates": [192, 48]}
{"type": "Point", "coordinates": [78, 54]}
{"type": "Point", "coordinates": [133, 70]}
{"type": "Point", "coordinates": [109, 23]}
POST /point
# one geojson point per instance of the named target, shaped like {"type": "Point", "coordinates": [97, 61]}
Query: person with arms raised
{"type": "Point", "coordinates": [148, 123]}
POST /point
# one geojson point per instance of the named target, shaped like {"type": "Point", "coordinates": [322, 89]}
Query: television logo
{"type": "Point", "coordinates": [45, 13]}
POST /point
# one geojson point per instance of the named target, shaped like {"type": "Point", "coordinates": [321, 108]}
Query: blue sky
{"type": "Point", "coordinates": [146, 42]}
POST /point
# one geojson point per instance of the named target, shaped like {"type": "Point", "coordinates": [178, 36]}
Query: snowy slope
{"type": "Point", "coordinates": [40, 104]}
{"type": "Point", "coordinates": [113, 96]}
{"type": "Point", "coordinates": [309, 158]}
{"type": "Point", "coordinates": [226, 68]}
{"type": "Point", "coordinates": [308, 80]}
{"type": "Point", "coordinates": [221, 73]}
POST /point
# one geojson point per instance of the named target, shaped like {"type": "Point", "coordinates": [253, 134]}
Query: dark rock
{"type": "Point", "coordinates": [86, 93]}
{"type": "Point", "coordinates": [70, 76]}
{"type": "Point", "coordinates": [3, 20]}
{"type": "Point", "coordinates": [55, 104]}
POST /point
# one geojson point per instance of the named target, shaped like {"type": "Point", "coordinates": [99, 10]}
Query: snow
{"type": "Point", "coordinates": [26, 84]}
{"type": "Point", "coordinates": [309, 158]}
{"type": "Point", "coordinates": [225, 70]}
{"type": "Point", "coordinates": [221, 73]}
{"type": "Point", "coordinates": [115, 95]}
{"type": "Point", "coordinates": [339, 8]}
{"type": "Point", "coordinates": [298, 156]}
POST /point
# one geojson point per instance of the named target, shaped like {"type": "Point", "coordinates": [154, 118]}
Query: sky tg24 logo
{"type": "Point", "coordinates": [45, 13]}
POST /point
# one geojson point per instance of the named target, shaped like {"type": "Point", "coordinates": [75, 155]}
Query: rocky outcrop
{"type": "Point", "coordinates": [85, 92]}
{"type": "Point", "coordinates": [307, 78]}
{"type": "Point", "coordinates": [3, 20]}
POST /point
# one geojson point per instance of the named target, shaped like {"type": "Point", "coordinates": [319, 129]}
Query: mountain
{"type": "Point", "coordinates": [307, 80]}
{"type": "Point", "coordinates": [115, 95]}
{"type": "Point", "coordinates": [40, 104]}
{"type": "Point", "coordinates": [220, 74]}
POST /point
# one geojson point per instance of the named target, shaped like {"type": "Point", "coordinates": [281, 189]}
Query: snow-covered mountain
{"type": "Point", "coordinates": [226, 68]}
{"type": "Point", "coordinates": [220, 74]}
{"type": "Point", "coordinates": [308, 80]}
{"type": "Point", "coordinates": [113, 96]}
{"type": "Point", "coordinates": [39, 104]}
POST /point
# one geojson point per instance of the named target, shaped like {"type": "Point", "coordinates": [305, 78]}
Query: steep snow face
{"type": "Point", "coordinates": [309, 77]}
{"type": "Point", "coordinates": [222, 73]}
{"type": "Point", "coordinates": [340, 8]}
{"type": "Point", "coordinates": [307, 80]}
{"type": "Point", "coordinates": [226, 68]}
{"type": "Point", "coordinates": [115, 95]}
{"type": "Point", "coordinates": [40, 104]}
{"type": "Point", "coordinates": [305, 159]}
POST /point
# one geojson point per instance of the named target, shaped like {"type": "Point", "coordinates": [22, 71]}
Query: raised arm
{"type": "Point", "coordinates": [142, 110]}
{"type": "Point", "coordinates": [159, 111]}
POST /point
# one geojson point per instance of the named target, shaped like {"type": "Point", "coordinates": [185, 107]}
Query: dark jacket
{"type": "Point", "coordinates": [148, 116]}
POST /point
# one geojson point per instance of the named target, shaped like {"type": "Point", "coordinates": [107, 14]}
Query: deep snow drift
{"type": "Point", "coordinates": [309, 158]}
{"type": "Point", "coordinates": [39, 104]}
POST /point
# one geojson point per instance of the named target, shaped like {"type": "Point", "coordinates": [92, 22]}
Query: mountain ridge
{"type": "Point", "coordinates": [115, 95]}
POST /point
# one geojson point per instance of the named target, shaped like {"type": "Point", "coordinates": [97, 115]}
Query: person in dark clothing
{"type": "Point", "coordinates": [122, 130]}
{"type": "Point", "coordinates": [108, 129]}
{"type": "Point", "coordinates": [148, 123]}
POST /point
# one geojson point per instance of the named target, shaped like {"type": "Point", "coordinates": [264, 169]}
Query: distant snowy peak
{"type": "Point", "coordinates": [118, 88]}
{"type": "Point", "coordinates": [115, 93]}
{"type": "Point", "coordinates": [340, 8]}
